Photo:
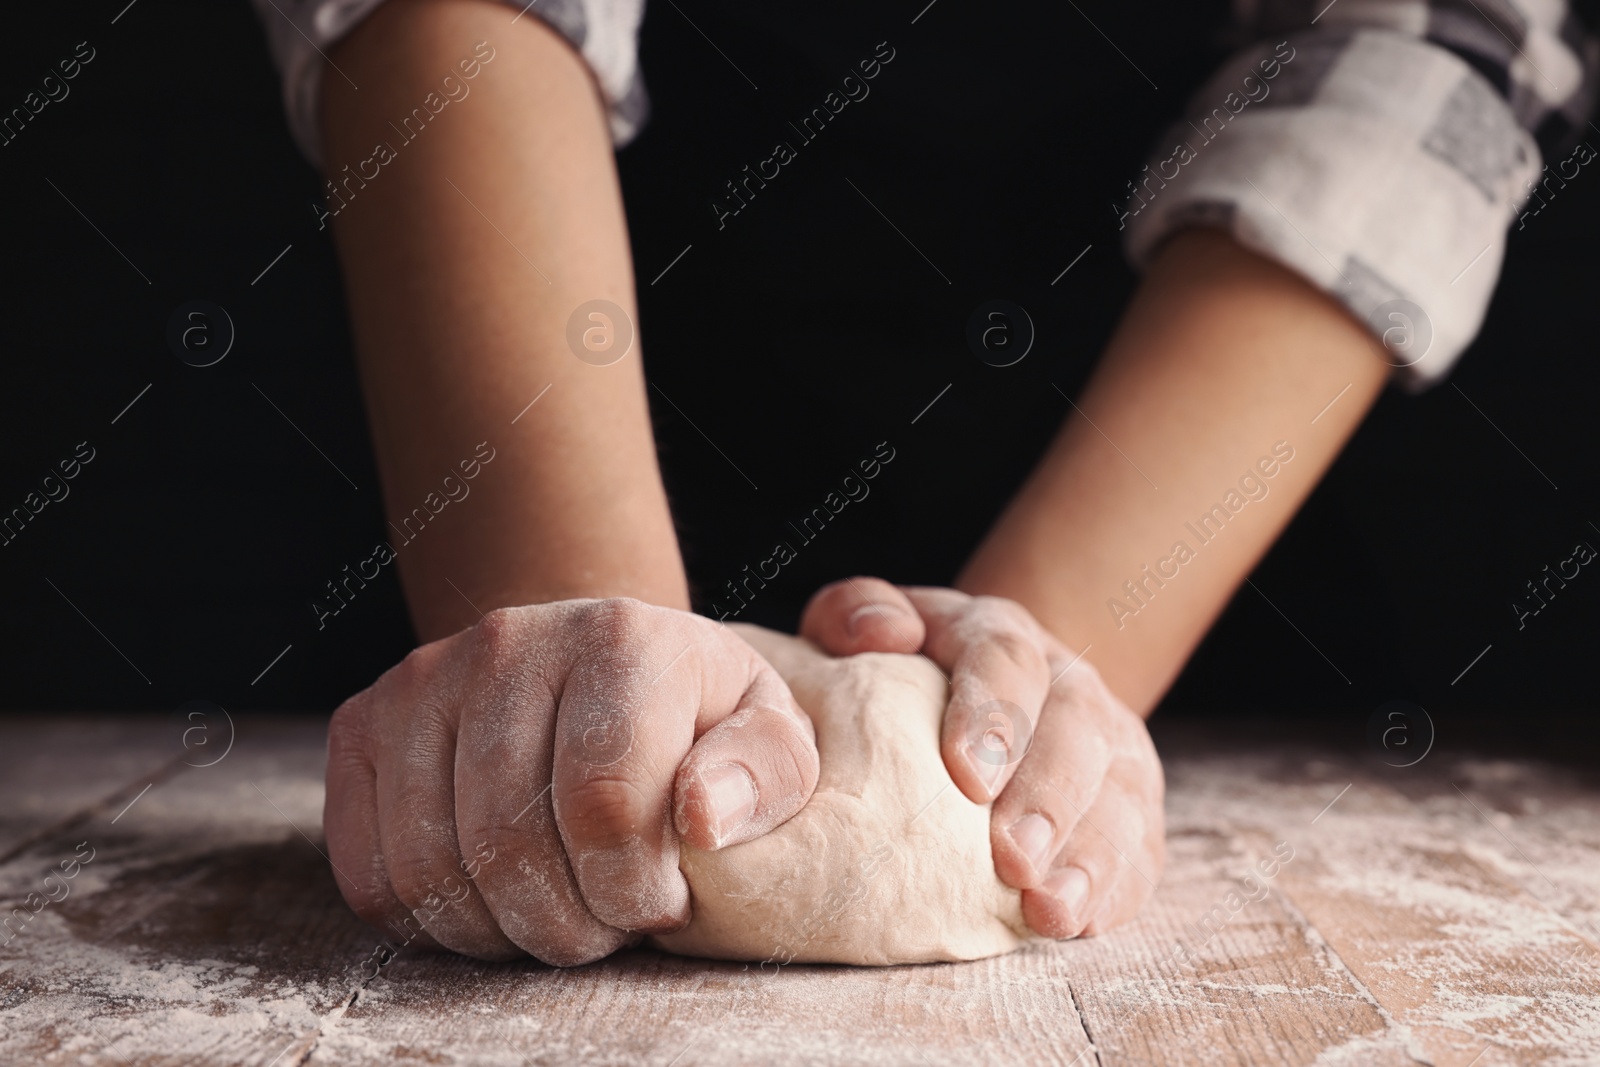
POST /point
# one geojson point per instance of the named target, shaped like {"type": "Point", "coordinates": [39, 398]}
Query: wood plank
{"type": "Point", "coordinates": [1537, 821]}
{"type": "Point", "coordinates": [1221, 968]}
{"type": "Point", "coordinates": [1469, 964]}
{"type": "Point", "coordinates": [56, 768]}
{"type": "Point", "coordinates": [646, 1007]}
{"type": "Point", "coordinates": [1406, 928]}
{"type": "Point", "coordinates": [205, 927]}
{"type": "Point", "coordinates": [1264, 989]}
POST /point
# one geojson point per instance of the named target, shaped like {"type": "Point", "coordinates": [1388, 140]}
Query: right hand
{"type": "Point", "coordinates": [521, 786]}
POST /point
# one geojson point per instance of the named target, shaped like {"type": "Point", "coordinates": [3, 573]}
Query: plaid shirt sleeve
{"type": "Point", "coordinates": [1382, 149]}
{"type": "Point", "coordinates": [604, 32]}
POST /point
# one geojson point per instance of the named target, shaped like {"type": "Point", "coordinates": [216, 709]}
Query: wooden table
{"type": "Point", "coordinates": [1444, 913]}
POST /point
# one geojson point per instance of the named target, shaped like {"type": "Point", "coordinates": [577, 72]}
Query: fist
{"type": "Point", "coordinates": [521, 787]}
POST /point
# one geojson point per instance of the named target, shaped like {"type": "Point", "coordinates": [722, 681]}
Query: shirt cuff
{"type": "Point", "coordinates": [604, 32]}
{"type": "Point", "coordinates": [1382, 167]}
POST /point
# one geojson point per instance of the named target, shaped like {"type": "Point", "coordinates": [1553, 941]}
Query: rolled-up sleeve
{"type": "Point", "coordinates": [604, 32]}
{"type": "Point", "coordinates": [1380, 148]}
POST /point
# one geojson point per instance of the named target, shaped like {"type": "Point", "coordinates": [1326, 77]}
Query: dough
{"type": "Point", "coordinates": [888, 863]}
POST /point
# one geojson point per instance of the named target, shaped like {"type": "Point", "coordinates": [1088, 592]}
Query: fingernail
{"type": "Point", "coordinates": [731, 796]}
{"type": "Point", "coordinates": [1032, 834]}
{"type": "Point", "coordinates": [988, 764]}
{"type": "Point", "coordinates": [857, 619]}
{"type": "Point", "coordinates": [1070, 886]}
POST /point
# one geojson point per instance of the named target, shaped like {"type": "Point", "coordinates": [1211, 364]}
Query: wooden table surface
{"type": "Point", "coordinates": [1445, 913]}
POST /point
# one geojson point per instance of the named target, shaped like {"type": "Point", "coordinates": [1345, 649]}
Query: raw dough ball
{"type": "Point", "coordinates": [888, 863]}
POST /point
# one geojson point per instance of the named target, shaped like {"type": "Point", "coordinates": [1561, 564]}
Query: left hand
{"type": "Point", "coordinates": [1077, 788]}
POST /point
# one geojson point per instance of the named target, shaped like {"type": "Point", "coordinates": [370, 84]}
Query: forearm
{"type": "Point", "coordinates": [1220, 356]}
{"type": "Point", "coordinates": [463, 260]}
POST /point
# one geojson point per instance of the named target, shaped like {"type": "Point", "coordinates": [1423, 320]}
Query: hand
{"type": "Point", "coordinates": [516, 787]}
{"type": "Point", "coordinates": [1077, 788]}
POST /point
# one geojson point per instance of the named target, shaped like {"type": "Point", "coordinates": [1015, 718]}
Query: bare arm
{"type": "Point", "coordinates": [577, 739]}
{"type": "Point", "coordinates": [463, 259]}
{"type": "Point", "coordinates": [1221, 355]}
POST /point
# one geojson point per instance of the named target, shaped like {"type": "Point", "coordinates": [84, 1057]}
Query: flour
{"type": "Point", "coordinates": [1459, 939]}
{"type": "Point", "coordinates": [112, 1000]}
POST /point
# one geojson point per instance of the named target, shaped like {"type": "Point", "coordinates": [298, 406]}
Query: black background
{"type": "Point", "coordinates": [796, 338]}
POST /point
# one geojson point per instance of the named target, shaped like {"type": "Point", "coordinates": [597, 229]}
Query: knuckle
{"type": "Point", "coordinates": [613, 628]}
{"type": "Point", "coordinates": [1082, 783]}
{"type": "Point", "coordinates": [1014, 647]}
{"type": "Point", "coordinates": [996, 626]}
{"type": "Point", "coordinates": [367, 891]}
{"type": "Point", "coordinates": [494, 630]}
{"type": "Point", "coordinates": [1002, 614]}
{"type": "Point", "coordinates": [605, 811]}
{"type": "Point", "coordinates": [773, 701]}
{"type": "Point", "coordinates": [521, 649]}
{"type": "Point", "coordinates": [418, 660]}
{"type": "Point", "coordinates": [1079, 681]}
{"type": "Point", "coordinates": [619, 615]}
{"type": "Point", "coordinates": [418, 873]}
{"type": "Point", "coordinates": [370, 905]}
{"type": "Point", "coordinates": [411, 675]}
{"type": "Point", "coordinates": [347, 730]}
{"type": "Point", "coordinates": [1068, 797]}
{"type": "Point", "coordinates": [495, 837]}
{"type": "Point", "coordinates": [791, 767]}
{"type": "Point", "coordinates": [502, 637]}
{"type": "Point", "coordinates": [1120, 818]}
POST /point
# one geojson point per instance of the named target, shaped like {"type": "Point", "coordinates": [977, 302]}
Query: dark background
{"type": "Point", "coordinates": [796, 338]}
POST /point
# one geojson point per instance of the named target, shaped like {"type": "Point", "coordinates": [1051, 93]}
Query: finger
{"type": "Point", "coordinates": [1132, 891]}
{"type": "Point", "coordinates": [350, 821]}
{"type": "Point", "coordinates": [861, 615]}
{"type": "Point", "coordinates": [417, 821]}
{"type": "Point", "coordinates": [994, 653]}
{"type": "Point", "coordinates": [750, 772]}
{"type": "Point", "coordinates": [630, 711]}
{"type": "Point", "coordinates": [1098, 854]}
{"type": "Point", "coordinates": [507, 834]}
{"type": "Point", "coordinates": [1058, 781]}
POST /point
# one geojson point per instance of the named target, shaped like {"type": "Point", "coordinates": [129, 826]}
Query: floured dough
{"type": "Point", "coordinates": [888, 862]}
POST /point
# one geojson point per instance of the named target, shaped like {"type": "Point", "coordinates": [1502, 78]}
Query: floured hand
{"type": "Point", "coordinates": [522, 785]}
{"type": "Point", "coordinates": [1077, 787]}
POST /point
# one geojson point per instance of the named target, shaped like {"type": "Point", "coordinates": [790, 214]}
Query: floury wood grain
{"type": "Point", "coordinates": [55, 769]}
{"type": "Point", "coordinates": [1431, 914]}
{"type": "Point", "coordinates": [1447, 932]}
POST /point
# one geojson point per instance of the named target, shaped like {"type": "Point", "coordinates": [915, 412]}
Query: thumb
{"type": "Point", "coordinates": [862, 615]}
{"type": "Point", "coordinates": [750, 772]}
